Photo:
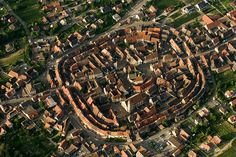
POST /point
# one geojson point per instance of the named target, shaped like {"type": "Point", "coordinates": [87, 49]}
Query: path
{"type": "Point", "coordinates": [226, 147]}
{"type": "Point", "coordinates": [134, 11]}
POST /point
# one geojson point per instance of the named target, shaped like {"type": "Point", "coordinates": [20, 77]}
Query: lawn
{"type": "Point", "coordinates": [2, 12]}
{"type": "Point", "coordinates": [3, 77]}
{"type": "Point", "coordinates": [220, 7]}
{"type": "Point", "coordinates": [193, 1]}
{"type": "Point", "coordinates": [184, 19]}
{"type": "Point", "coordinates": [175, 15]}
{"type": "Point", "coordinates": [227, 4]}
{"type": "Point", "coordinates": [231, 151]}
{"type": "Point", "coordinates": [223, 84]}
{"type": "Point", "coordinates": [12, 59]}
{"type": "Point", "coordinates": [67, 32]}
{"type": "Point", "coordinates": [163, 4]}
{"type": "Point", "coordinates": [28, 10]}
{"type": "Point", "coordinates": [225, 130]}
{"type": "Point", "coordinates": [21, 142]}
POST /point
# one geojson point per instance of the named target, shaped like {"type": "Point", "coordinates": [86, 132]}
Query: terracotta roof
{"type": "Point", "coordinates": [207, 20]}
{"type": "Point", "coordinates": [191, 153]}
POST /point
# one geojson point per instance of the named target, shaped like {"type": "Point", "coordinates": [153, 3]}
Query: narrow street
{"type": "Point", "coordinates": [135, 10]}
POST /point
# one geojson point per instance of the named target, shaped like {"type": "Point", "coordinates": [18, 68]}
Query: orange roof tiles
{"type": "Point", "coordinates": [207, 20]}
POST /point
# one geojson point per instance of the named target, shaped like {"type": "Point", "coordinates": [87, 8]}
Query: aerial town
{"type": "Point", "coordinates": [125, 78]}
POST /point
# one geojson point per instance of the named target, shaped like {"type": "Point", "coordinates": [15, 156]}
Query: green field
{"type": "Point", "coordinates": [28, 10]}
{"type": "Point", "coordinates": [193, 1]}
{"type": "Point", "coordinates": [20, 142]}
{"type": "Point", "coordinates": [2, 12]}
{"type": "Point", "coordinates": [225, 81]}
{"type": "Point", "coordinates": [67, 32]}
{"type": "Point", "coordinates": [231, 151]}
{"type": "Point", "coordinates": [184, 19]}
{"type": "Point", "coordinates": [175, 15]}
{"type": "Point", "coordinates": [13, 58]}
{"type": "Point", "coordinates": [3, 77]}
{"type": "Point", "coordinates": [161, 5]}
{"type": "Point", "coordinates": [225, 130]}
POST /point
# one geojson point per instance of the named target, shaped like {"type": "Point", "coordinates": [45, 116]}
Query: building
{"type": "Point", "coordinates": [135, 102]}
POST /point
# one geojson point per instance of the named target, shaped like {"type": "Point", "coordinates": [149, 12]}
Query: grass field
{"type": "Point", "coordinates": [28, 10]}
{"type": "Point", "coordinates": [184, 19]}
{"type": "Point", "coordinates": [227, 4]}
{"type": "Point", "coordinates": [163, 4]}
{"type": "Point", "coordinates": [231, 151]}
{"type": "Point", "coordinates": [22, 142]}
{"type": "Point", "coordinates": [69, 31]}
{"type": "Point", "coordinates": [3, 77]}
{"type": "Point", "coordinates": [12, 59]}
{"type": "Point", "coordinates": [2, 12]}
{"type": "Point", "coordinates": [225, 81]}
{"type": "Point", "coordinates": [193, 1]}
{"type": "Point", "coordinates": [225, 130]}
{"type": "Point", "coordinates": [175, 15]}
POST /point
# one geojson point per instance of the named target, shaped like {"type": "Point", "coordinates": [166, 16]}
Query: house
{"type": "Point", "coordinates": [232, 102]}
{"type": "Point", "coordinates": [116, 17]}
{"type": "Point", "coordinates": [232, 119]}
{"type": "Point", "coordinates": [205, 147]}
{"type": "Point", "coordinates": [2, 131]}
{"type": "Point", "coordinates": [176, 152]}
{"type": "Point", "coordinates": [229, 94]}
{"type": "Point", "coordinates": [152, 9]}
{"type": "Point", "coordinates": [184, 135]}
{"type": "Point", "coordinates": [50, 102]}
{"type": "Point", "coordinates": [29, 90]}
{"type": "Point", "coordinates": [191, 153]}
{"type": "Point", "coordinates": [28, 124]}
{"type": "Point", "coordinates": [232, 14]}
{"type": "Point", "coordinates": [63, 145]}
{"type": "Point", "coordinates": [215, 139]}
{"type": "Point", "coordinates": [71, 150]}
{"type": "Point", "coordinates": [232, 45]}
{"type": "Point", "coordinates": [203, 112]}
{"type": "Point", "coordinates": [222, 110]}
{"type": "Point", "coordinates": [175, 142]}
{"type": "Point", "coordinates": [105, 9]}
{"type": "Point", "coordinates": [188, 9]}
{"type": "Point", "coordinates": [135, 101]}
{"type": "Point", "coordinates": [30, 112]}
{"type": "Point", "coordinates": [202, 6]}
{"type": "Point", "coordinates": [1, 6]}
{"type": "Point", "coordinates": [9, 47]}
{"type": "Point", "coordinates": [206, 20]}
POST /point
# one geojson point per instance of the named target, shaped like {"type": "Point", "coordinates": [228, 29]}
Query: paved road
{"type": "Point", "coordinates": [134, 11]}
{"type": "Point", "coordinates": [23, 99]}
{"type": "Point", "coordinates": [226, 147]}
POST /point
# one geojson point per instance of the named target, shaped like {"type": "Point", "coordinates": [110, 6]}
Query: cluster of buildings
{"type": "Point", "coordinates": [143, 74]}
{"type": "Point", "coordinates": [121, 87]}
{"type": "Point", "coordinates": [9, 22]}
{"type": "Point", "coordinates": [19, 83]}
{"type": "Point", "coordinates": [184, 133]}
{"type": "Point", "coordinates": [107, 82]}
{"type": "Point", "coordinates": [61, 17]}
{"type": "Point", "coordinates": [11, 28]}
{"type": "Point", "coordinates": [89, 15]}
